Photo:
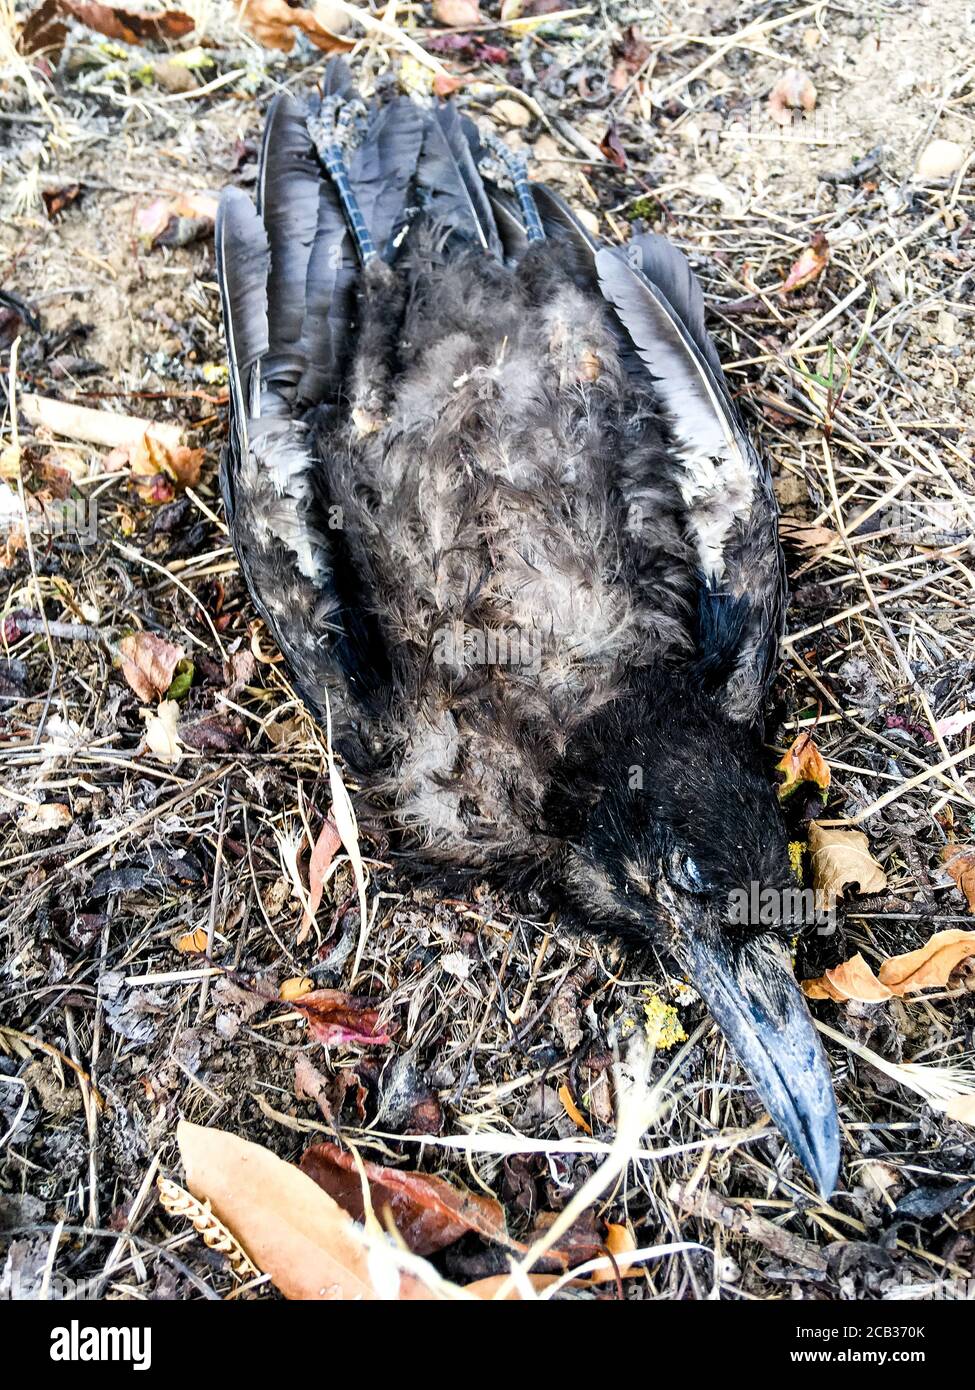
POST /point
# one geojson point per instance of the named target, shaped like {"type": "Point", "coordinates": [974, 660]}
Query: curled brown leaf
{"type": "Point", "coordinates": [335, 1017]}
{"type": "Point", "coordinates": [810, 265]}
{"type": "Point", "coordinates": [428, 1212]}
{"type": "Point", "coordinates": [794, 91]}
{"type": "Point", "coordinates": [148, 663]}
{"type": "Point", "coordinates": [960, 864]}
{"type": "Point", "coordinates": [802, 762]}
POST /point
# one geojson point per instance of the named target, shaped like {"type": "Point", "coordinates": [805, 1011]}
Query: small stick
{"type": "Point", "coordinates": [740, 1221]}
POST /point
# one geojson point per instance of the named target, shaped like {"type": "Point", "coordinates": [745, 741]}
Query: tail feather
{"type": "Point", "coordinates": [243, 263]}
{"type": "Point", "coordinates": [289, 194]}
{"type": "Point", "coordinates": [450, 187]}
{"type": "Point", "coordinates": [382, 168]}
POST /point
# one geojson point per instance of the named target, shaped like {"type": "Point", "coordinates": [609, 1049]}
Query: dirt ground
{"type": "Point", "coordinates": [504, 1032]}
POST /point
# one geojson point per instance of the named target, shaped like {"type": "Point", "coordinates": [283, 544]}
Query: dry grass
{"type": "Point", "coordinates": [109, 1034]}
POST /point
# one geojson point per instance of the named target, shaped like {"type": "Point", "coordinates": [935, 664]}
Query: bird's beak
{"type": "Point", "coordinates": [751, 991]}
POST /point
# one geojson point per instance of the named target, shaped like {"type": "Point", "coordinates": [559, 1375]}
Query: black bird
{"type": "Point", "coordinates": [490, 492]}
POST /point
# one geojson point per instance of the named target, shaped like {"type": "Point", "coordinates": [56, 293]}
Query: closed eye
{"type": "Point", "coordinates": [684, 873]}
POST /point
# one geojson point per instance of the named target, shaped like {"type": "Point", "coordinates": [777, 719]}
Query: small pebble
{"type": "Point", "coordinates": [940, 158]}
{"type": "Point", "coordinates": [511, 112]}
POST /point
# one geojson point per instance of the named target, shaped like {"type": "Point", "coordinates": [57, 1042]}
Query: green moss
{"type": "Point", "coordinates": [645, 207]}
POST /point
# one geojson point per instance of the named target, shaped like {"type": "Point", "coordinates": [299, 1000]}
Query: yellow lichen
{"type": "Point", "coordinates": [661, 1022]}
{"type": "Point", "coordinates": [795, 857]}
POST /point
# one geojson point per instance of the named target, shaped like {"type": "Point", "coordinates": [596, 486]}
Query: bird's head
{"type": "Point", "coordinates": [685, 848]}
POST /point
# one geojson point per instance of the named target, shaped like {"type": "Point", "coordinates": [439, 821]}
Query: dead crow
{"type": "Point", "coordinates": [490, 492]}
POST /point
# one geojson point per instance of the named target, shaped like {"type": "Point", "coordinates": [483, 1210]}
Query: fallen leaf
{"type": "Point", "coordinates": [955, 724]}
{"type": "Point", "coordinates": [611, 147]}
{"type": "Point", "coordinates": [160, 469]}
{"type": "Point", "coordinates": [841, 858]}
{"type": "Point", "coordinates": [296, 988]}
{"type": "Point", "coordinates": [161, 732]}
{"type": "Point", "coordinates": [930, 966]}
{"type": "Point", "coordinates": [57, 199]}
{"type": "Point", "coordinates": [335, 1017]}
{"type": "Point", "coordinates": [807, 536]}
{"type": "Point", "coordinates": [811, 264]}
{"type": "Point", "coordinates": [573, 1111]}
{"type": "Point", "coordinates": [310, 1084]}
{"type": "Point", "coordinates": [854, 979]}
{"type": "Point", "coordinates": [960, 864]}
{"type": "Point", "coordinates": [327, 845]}
{"type": "Point", "coordinates": [429, 1213]}
{"type": "Point", "coordinates": [794, 91]}
{"type": "Point", "coordinates": [619, 1244]}
{"type": "Point", "coordinates": [940, 159]}
{"type": "Point", "coordinates": [802, 762]}
{"type": "Point", "coordinates": [148, 663]}
{"type": "Point", "coordinates": [289, 1227]}
{"type": "Point", "coordinates": [456, 14]}
{"type": "Point", "coordinates": [182, 679]}
{"type": "Point", "coordinates": [45, 28]}
{"type": "Point", "coordinates": [239, 670]}
{"type": "Point", "coordinates": [632, 58]}
{"type": "Point", "coordinates": [45, 818]}
{"type": "Point", "coordinates": [177, 221]}
{"type": "Point", "coordinates": [493, 1283]}
{"type": "Point", "coordinates": [193, 943]}
{"type": "Point", "coordinates": [444, 84]}
{"type": "Point", "coordinates": [273, 23]}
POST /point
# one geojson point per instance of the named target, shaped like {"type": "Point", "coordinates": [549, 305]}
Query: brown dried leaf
{"type": "Point", "coordinates": [335, 1017]}
{"type": "Point", "coordinates": [428, 1212]}
{"type": "Point", "coordinates": [612, 148]}
{"type": "Point", "coordinates": [148, 663]}
{"type": "Point", "coordinates": [273, 23]}
{"type": "Point", "coordinates": [794, 91]}
{"type": "Point", "coordinates": [620, 1242]}
{"type": "Point", "coordinates": [960, 864]}
{"type": "Point", "coordinates": [129, 26]}
{"type": "Point", "coordinates": [802, 762]}
{"type": "Point", "coordinates": [573, 1111]}
{"type": "Point", "coordinates": [295, 988]}
{"type": "Point", "coordinates": [327, 845]}
{"type": "Point", "coordinates": [811, 264]}
{"type": "Point", "coordinates": [930, 966]}
{"type": "Point", "coordinates": [289, 1227]}
{"type": "Point", "coordinates": [854, 979]}
{"type": "Point", "coordinates": [192, 943]}
{"type": "Point", "coordinates": [57, 199]}
{"type": "Point", "coordinates": [841, 858]}
{"type": "Point", "coordinates": [45, 28]}
{"type": "Point", "coordinates": [488, 1287]}
{"type": "Point", "coordinates": [159, 469]}
{"type": "Point", "coordinates": [177, 221]}
{"type": "Point", "coordinates": [45, 818]}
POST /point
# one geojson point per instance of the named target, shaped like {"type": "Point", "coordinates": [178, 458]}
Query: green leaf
{"type": "Point", "coordinates": [182, 679]}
